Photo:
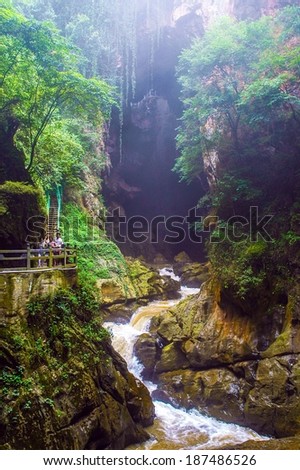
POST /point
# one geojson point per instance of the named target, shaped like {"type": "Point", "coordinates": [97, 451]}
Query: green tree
{"type": "Point", "coordinates": [65, 169]}
{"type": "Point", "coordinates": [240, 90]}
{"type": "Point", "coordinates": [213, 74]}
{"type": "Point", "coordinates": [40, 81]}
{"type": "Point", "coordinates": [239, 74]}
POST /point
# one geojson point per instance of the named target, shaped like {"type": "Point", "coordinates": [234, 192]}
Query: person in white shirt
{"type": "Point", "coordinates": [58, 240]}
{"type": "Point", "coordinates": [59, 243]}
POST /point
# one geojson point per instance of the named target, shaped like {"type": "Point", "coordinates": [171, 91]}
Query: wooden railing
{"type": "Point", "coordinates": [40, 258]}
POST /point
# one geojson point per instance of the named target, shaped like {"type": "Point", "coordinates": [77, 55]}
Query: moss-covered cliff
{"type": "Point", "coordinates": [239, 368]}
{"type": "Point", "coordinates": [19, 198]}
{"type": "Point", "coordinates": [62, 385]}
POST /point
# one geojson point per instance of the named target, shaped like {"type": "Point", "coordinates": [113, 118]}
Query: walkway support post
{"type": "Point", "coordinates": [28, 266]}
{"type": "Point", "coordinates": [50, 258]}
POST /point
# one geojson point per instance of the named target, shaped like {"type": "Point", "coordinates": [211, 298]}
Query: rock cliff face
{"type": "Point", "coordinates": [209, 10]}
{"type": "Point", "coordinates": [62, 386]}
{"type": "Point", "coordinates": [142, 181]}
{"type": "Point", "coordinates": [141, 284]}
{"type": "Point", "coordinates": [237, 362]}
{"type": "Point", "coordinates": [239, 368]}
{"type": "Point", "coordinates": [18, 195]}
{"type": "Point", "coordinates": [17, 288]}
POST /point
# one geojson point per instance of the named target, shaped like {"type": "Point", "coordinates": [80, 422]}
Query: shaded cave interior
{"type": "Point", "coordinates": [141, 181]}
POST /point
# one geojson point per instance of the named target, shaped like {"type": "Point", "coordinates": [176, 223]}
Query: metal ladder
{"type": "Point", "coordinates": [53, 217]}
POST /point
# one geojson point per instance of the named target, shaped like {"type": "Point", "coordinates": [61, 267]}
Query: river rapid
{"type": "Point", "coordinates": [173, 428]}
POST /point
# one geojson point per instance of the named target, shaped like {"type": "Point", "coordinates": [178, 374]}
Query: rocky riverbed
{"type": "Point", "coordinates": [205, 353]}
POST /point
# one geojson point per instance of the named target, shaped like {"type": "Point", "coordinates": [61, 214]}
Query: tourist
{"type": "Point", "coordinates": [58, 240]}
{"type": "Point", "coordinates": [52, 246]}
{"type": "Point", "coordinates": [59, 244]}
{"type": "Point", "coordinates": [42, 247]}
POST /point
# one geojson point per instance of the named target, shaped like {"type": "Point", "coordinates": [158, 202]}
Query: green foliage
{"type": "Point", "coordinates": [290, 237]}
{"type": "Point", "coordinates": [240, 90]}
{"type": "Point", "coordinates": [18, 188]}
{"type": "Point", "coordinates": [107, 33]}
{"type": "Point", "coordinates": [13, 383]}
{"type": "Point", "coordinates": [96, 332]}
{"type": "Point", "coordinates": [288, 21]}
{"type": "Point", "coordinates": [18, 342]}
{"type": "Point", "coordinates": [99, 258]}
{"type": "Point", "coordinates": [217, 67]}
{"type": "Point", "coordinates": [12, 379]}
{"type": "Point", "coordinates": [59, 157]}
{"type": "Point", "coordinates": [231, 195]}
{"type": "Point", "coordinates": [239, 74]}
{"type": "Point", "coordinates": [241, 266]}
{"type": "Point", "coordinates": [60, 332]}
{"type": "Point", "coordinates": [58, 316]}
{"type": "Point", "coordinates": [64, 304]}
{"type": "Point", "coordinates": [48, 401]}
{"type": "Point", "coordinates": [189, 165]}
{"type": "Point", "coordinates": [40, 81]}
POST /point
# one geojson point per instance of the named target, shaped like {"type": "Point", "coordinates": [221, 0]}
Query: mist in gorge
{"type": "Point", "coordinates": [149, 224]}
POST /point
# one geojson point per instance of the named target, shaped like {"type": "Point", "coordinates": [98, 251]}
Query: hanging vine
{"type": "Point", "coordinates": [108, 34]}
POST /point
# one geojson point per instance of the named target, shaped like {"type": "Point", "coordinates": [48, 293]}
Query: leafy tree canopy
{"type": "Point", "coordinates": [239, 74]}
{"type": "Point", "coordinates": [240, 128]}
{"type": "Point", "coordinates": [40, 82]}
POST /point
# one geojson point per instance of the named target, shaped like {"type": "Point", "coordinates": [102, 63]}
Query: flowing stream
{"type": "Point", "coordinates": [173, 428]}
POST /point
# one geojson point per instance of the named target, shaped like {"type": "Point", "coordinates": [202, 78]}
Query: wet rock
{"type": "Point", "coordinates": [272, 405]}
{"type": "Point", "coordinates": [162, 396]}
{"type": "Point", "coordinates": [169, 329]}
{"type": "Point", "coordinates": [120, 313]}
{"type": "Point", "coordinates": [70, 391]}
{"type": "Point", "coordinates": [266, 401]}
{"type": "Point", "coordinates": [142, 283]}
{"type": "Point", "coordinates": [192, 274]}
{"type": "Point", "coordinates": [160, 260]}
{"type": "Point", "coordinates": [172, 358]}
{"type": "Point", "coordinates": [239, 368]}
{"type": "Point", "coordinates": [171, 288]}
{"type": "Point", "coordinates": [216, 391]}
{"type": "Point", "coordinates": [111, 292]}
{"type": "Point", "coordinates": [181, 259]}
{"type": "Point", "coordinates": [139, 402]}
{"type": "Point", "coordinates": [145, 349]}
{"type": "Point", "coordinates": [16, 288]}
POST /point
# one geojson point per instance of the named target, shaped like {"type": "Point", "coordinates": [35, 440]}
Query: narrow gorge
{"type": "Point", "coordinates": [149, 224]}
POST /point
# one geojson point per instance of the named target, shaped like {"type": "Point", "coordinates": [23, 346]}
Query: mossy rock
{"type": "Point", "coordinates": [141, 282]}
{"type": "Point", "coordinates": [19, 202]}
{"type": "Point", "coordinates": [192, 274]}
{"type": "Point", "coordinates": [182, 258]}
{"type": "Point", "coordinates": [172, 358]}
{"type": "Point", "coordinates": [146, 351]}
{"type": "Point", "coordinates": [281, 345]}
{"type": "Point", "coordinates": [62, 385]}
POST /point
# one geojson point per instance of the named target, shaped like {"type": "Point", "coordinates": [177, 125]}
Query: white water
{"type": "Point", "coordinates": [173, 428]}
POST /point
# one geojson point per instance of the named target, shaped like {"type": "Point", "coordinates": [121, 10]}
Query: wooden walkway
{"type": "Point", "coordinates": [37, 259]}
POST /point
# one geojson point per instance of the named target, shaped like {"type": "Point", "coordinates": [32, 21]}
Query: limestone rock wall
{"type": "Point", "coordinates": [17, 288]}
{"type": "Point", "coordinates": [62, 385]}
{"type": "Point", "coordinates": [237, 367]}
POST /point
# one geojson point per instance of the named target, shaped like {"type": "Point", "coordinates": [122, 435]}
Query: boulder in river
{"type": "Point", "coordinates": [191, 274]}
{"type": "Point", "coordinates": [142, 283]}
{"type": "Point", "coordinates": [145, 349]}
